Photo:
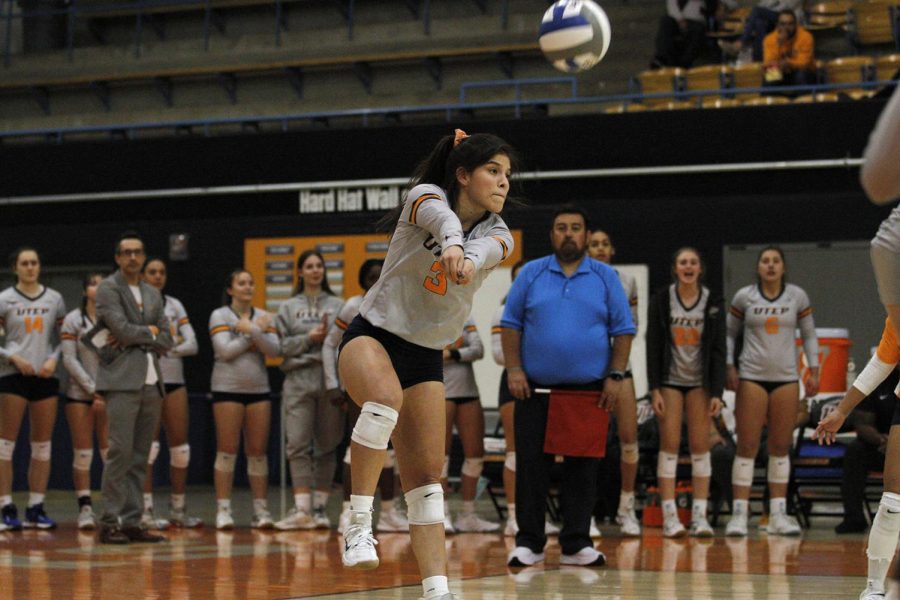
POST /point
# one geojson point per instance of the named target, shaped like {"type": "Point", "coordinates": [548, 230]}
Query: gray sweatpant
{"type": "Point", "coordinates": [314, 428]}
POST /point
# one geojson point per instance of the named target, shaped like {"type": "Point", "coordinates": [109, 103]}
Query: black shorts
{"type": "Point", "coordinates": [245, 399]}
{"type": "Point", "coordinates": [413, 364]}
{"type": "Point", "coordinates": [30, 387]}
{"type": "Point", "coordinates": [462, 400]}
{"type": "Point", "coordinates": [684, 389]}
{"type": "Point", "coordinates": [769, 386]}
{"type": "Point", "coordinates": [85, 401]}
{"type": "Point", "coordinates": [896, 419]}
{"type": "Point", "coordinates": [171, 387]}
{"type": "Point", "coordinates": [503, 395]}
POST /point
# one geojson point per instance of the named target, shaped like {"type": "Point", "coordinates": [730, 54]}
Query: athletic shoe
{"type": "Point", "coordinates": [672, 528]}
{"type": "Point", "coordinates": [321, 519]}
{"type": "Point", "coordinates": [392, 520]}
{"type": "Point", "coordinates": [737, 525]}
{"type": "Point", "coordinates": [10, 517]}
{"type": "Point", "coordinates": [112, 534]}
{"type": "Point", "coordinates": [180, 518]}
{"type": "Point", "coordinates": [447, 596]}
{"type": "Point", "coordinates": [595, 531]}
{"type": "Point", "coordinates": [524, 557]}
{"type": "Point", "coordinates": [628, 522]}
{"type": "Point", "coordinates": [586, 557]}
{"type": "Point", "coordinates": [224, 520]}
{"type": "Point", "coordinates": [472, 523]}
{"type": "Point", "coordinates": [262, 520]}
{"type": "Point", "coordinates": [783, 524]}
{"type": "Point", "coordinates": [512, 528]}
{"type": "Point", "coordinates": [870, 594]}
{"type": "Point", "coordinates": [700, 528]}
{"type": "Point", "coordinates": [149, 521]}
{"type": "Point", "coordinates": [86, 518]}
{"type": "Point", "coordinates": [296, 519]}
{"type": "Point", "coordinates": [448, 525]}
{"type": "Point", "coordinates": [343, 521]}
{"type": "Point", "coordinates": [359, 543]}
{"type": "Point", "coordinates": [851, 526]}
{"type": "Point", "coordinates": [550, 528]}
{"type": "Point", "coordinates": [36, 518]}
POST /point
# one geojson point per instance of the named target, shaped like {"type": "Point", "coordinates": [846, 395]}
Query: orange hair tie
{"type": "Point", "coordinates": [459, 136]}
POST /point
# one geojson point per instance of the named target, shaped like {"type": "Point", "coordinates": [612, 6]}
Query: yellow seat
{"type": "Point", "coordinates": [710, 102]}
{"type": "Point", "coordinates": [748, 75]}
{"type": "Point", "coordinates": [827, 15]}
{"type": "Point", "coordinates": [870, 23]}
{"type": "Point", "coordinates": [707, 77]}
{"type": "Point", "coordinates": [732, 25]}
{"type": "Point", "coordinates": [811, 98]}
{"type": "Point", "coordinates": [658, 81]}
{"type": "Point", "coordinates": [675, 105]}
{"type": "Point", "coordinates": [624, 107]}
{"type": "Point", "coordinates": [766, 101]}
{"type": "Point", "coordinates": [886, 67]}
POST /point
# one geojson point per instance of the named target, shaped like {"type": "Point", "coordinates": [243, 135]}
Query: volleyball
{"type": "Point", "coordinates": [574, 35]}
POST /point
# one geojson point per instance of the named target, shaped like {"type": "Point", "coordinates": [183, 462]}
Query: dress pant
{"type": "Point", "coordinates": [859, 459]}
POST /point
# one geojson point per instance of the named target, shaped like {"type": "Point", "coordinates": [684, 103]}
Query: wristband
{"type": "Point", "coordinates": [514, 369]}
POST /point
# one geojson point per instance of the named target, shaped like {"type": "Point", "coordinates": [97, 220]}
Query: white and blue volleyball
{"type": "Point", "coordinates": [574, 35]}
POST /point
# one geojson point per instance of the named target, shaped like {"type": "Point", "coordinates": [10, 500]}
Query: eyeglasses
{"type": "Point", "coordinates": [131, 252]}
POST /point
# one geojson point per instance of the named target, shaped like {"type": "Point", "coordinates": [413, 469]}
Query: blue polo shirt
{"type": "Point", "coordinates": [566, 322]}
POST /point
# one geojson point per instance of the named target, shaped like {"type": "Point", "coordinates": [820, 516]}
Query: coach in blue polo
{"type": "Point", "coordinates": [567, 326]}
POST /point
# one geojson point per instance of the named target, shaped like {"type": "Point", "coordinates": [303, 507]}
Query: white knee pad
{"type": "Point", "coordinates": [389, 460]}
{"type": "Point", "coordinates": [779, 470]}
{"type": "Point", "coordinates": [425, 505]}
{"type": "Point", "coordinates": [374, 427]}
{"type": "Point", "coordinates": [40, 451]}
{"type": "Point", "coordinates": [258, 466]}
{"type": "Point", "coordinates": [472, 467]}
{"type": "Point", "coordinates": [104, 452]}
{"type": "Point", "coordinates": [742, 471]}
{"type": "Point", "coordinates": [154, 452]}
{"type": "Point", "coordinates": [180, 456]}
{"type": "Point", "coordinates": [510, 462]}
{"type": "Point", "coordinates": [347, 456]}
{"type": "Point", "coordinates": [83, 458]}
{"type": "Point", "coordinates": [701, 465]}
{"type": "Point", "coordinates": [6, 449]}
{"type": "Point", "coordinates": [630, 453]}
{"type": "Point", "coordinates": [885, 527]}
{"type": "Point", "coordinates": [445, 470]}
{"type": "Point", "coordinates": [225, 462]}
{"type": "Point", "coordinates": [667, 465]}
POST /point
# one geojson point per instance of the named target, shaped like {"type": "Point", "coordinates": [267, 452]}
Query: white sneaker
{"type": "Point", "coordinates": [180, 518]}
{"type": "Point", "coordinates": [595, 531]}
{"type": "Point", "coordinates": [472, 523]}
{"type": "Point", "coordinates": [262, 520]}
{"type": "Point", "coordinates": [783, 524]}
{"type": "Point", "coordinates": [359, 543]}
{"type": "Point", "coordinates": [512, 528]}
{"type": "Point", "coordinates": [86, 518]}
{"type": "Point", "coordinates": [700, 528]}
{"type": "Point", "coordinates": [737, 525]}
{"type": "Point", "coordinates": [149, 521]}
{"type": "Point", "coordinates": [447, 596]}
{"type": "Point", "coordinates": [448, 524]}
{"type": "Point", "coordinates": [523, 557]}
{"type": "Point", "coordinates": [320, 519]}
{"type": "Point", "coordinates": [343, 521]}
{"type": "Point", "coordinates": [586, 557]}
{"type": "Point", "coordinates": [870, 594]}
{"type": "Point", "coordinates": [224, 520]}
{"type": "Point", "coordinates": [672, 527]}
{"type": "Point", "coordinates": [296, 519]}
{"type": "Point", "coordinates": [629, 525]}
{"type": "Point", "coordinates": [392, 520]}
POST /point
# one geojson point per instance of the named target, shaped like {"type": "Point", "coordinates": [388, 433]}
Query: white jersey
{"type": "Point", "coordinates": [240, 364]}
{"type": "Point", "coordinates": [79, 361]}
{"type": "Point", "coordinates": [332, 341]}
{"type": "Point", "coordinates": [888, 234]}
{"type": "Point", "coordinates": [459, 377]}
{"type": "Point", "coordinates": [496, 336]}
{"type": "Point", "coordinates": [413, 298]}
{"type": "Point", "coordinates": [770, 352]}
{"type": "Point", "coordinates": [629, 284]}
{"type": "Point", "coordinates": [32, 327]}
{"type": "Point", "coordinates": [296, 318]}
{"type": "Point", "coordinates": [686, 329]}
{"type": "Point", "coordinates": [185, 339]}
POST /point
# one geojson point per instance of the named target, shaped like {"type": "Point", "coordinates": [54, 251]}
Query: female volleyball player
{"type": "Point", "coordinates": [310, 420]}
{"type": "Point", "coordinates": [600, 247]}
{"type": "Point", "coordinates": [175, 412]}
{"type": "Point", "coordinates": [766, 383]}
{"type": "Point", "coordinates": [686, 372]}
{"type": "Point", "coordinates": [446, 238]}
{"type": "Point", "coordinates": [85, 409]}
{"type": "Point", "coordinates": [242, 336]}
{"type": "Point", "coordinates": [31, 314]}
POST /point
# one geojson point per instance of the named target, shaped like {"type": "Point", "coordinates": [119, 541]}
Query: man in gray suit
{"type": "Point", "coordinates": [130, 380]}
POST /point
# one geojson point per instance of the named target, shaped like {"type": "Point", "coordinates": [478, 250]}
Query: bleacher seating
{"type": "Point", "coordinates": [873, 23]}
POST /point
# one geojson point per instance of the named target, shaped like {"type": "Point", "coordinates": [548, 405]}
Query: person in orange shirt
{"type": "Point", "coordinates": [788, 53]}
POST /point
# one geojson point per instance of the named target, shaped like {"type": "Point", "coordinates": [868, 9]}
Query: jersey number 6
{"type": "Point", "coordinates": [437, 283]}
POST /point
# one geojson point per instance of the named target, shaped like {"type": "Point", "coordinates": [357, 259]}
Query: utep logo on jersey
{"type": "Point", "coordinates": [32, 311]}
{"type": "Point", "coordinates": [774, 310]}
{"type": "Point", "coordinates": [686, 321]}
{"type": "Point", "coordinates": [432, 246]}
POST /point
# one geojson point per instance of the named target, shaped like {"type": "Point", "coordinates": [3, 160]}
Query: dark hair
{"type": "Point", "coordinates": [786, 11]}
{"type": "Point", "coordinates": [85, 283]}
{"type": "Point", "coordinates": [130, 234]}
{"type": "Point", "coordinates": [367, 266]}
{"type": "Point", "coordinates": [679, 252]}
{"type": "Point", "coordinates": [439, 168]}
{"type": "Point", "coordinates": [572, 209]}
{"type": "Point", "coordinates": [780, 252]}
{"type": "Point", "coordinates": [302, 259]}
{"type": "Point", "coordinates": [14, 258]}
{"type": "Point", "coordinates": [151, 259]}
{"type": "Point", "coordinates": [226, 298]}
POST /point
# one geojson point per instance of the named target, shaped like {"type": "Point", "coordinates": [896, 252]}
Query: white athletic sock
{"type": "Point", "coordinates": [741, 506]}
{"type": "Point", "coordinates": [35, 499]}
{"type": "Point", "coordinates": [177, 501]}
{"type": "Point", "coordinates": [669, 509]}
{"type": "Point", "coordinates": [878, 569]}
{"type": "Point", "coordinates": [468, 507]}
{"type": "Point", "coordinates": [224, 504]}
{"type": "Point", "coordinates": [435, 587]}
{"type": "Point", "coordinates": [303, 502]}
{"type": "Point", "coordinates": [698, 508]}
{"type": "Point", "coordinates": [626, 501]}
{"type": "Point", "coordinates": [777, 506]}
{"type": "Point", "coordinates": [387, 505]}
{"type": "Point", "coordinates": [362, 503]}
{"type": "Point", "coordinates": [345, 505]}
{"type": "Point", "coordinates": [511, 512]}
{"type": "Point", "coordinates": [148, 501]}
{"type": "Point", "coordinates": [5, 501]}
{"type": "Point", "coordinates": [260, 505]}
{"type": "Point", "coordinates": [319, 498]}
{"type": "Point", "coordinates": [82, 493]}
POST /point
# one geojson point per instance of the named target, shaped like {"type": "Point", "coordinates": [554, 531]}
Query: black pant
{"type": "Point", "coordinates": [859, 459]}
{"type": "Point", "coordinates": [578, 487]}
{"type": "Point", "coordinates": [676, 48]}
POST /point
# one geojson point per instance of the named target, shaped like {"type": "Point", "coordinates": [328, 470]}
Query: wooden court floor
{"type": "Point", "coordinates": [206, 564]}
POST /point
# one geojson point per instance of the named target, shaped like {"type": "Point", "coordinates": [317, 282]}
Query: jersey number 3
{"type": "Point", "coordinates": [34, 324]}
{"type": "Point", "coordinates": [436, 283]}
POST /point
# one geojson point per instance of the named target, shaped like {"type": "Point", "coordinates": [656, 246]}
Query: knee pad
{"type": "Point", "coordinates": [445, 470]}
{"type": "Point", "coordinates": [472, 467]}
{"type": "Point", "coordinates": [104, 452]}
{"type": "Point", "coordinates": [667, 465]}
{"type": "Point", "coordinates": [258, 466]}
{"type": "Point", "coordinates": [225, 462]}
{"type": "Point", "coordinates": [154, 452]}
{"type": "Point", "coordinates": [389, 460]}
{"type": "Point", "coordinates": [779, 469]}
{"type": "Point", "coordinates": [6, 449]}
{"type": "Point", "coordinates": [742, 471]}
{"type": "Point", "coordinates": [510, 462]}
{"type": "Point", "coordinates": [630, 453]}
{"type": "Point", "coordinates": [180, 456]}
{"type": "Point", "coordinates": [347, 456]}
{"type": "Point", "coordinates": [40, 451]}
{"type": "Point", "coordinates": [701, 465]}
{"type": "Point", "coordinates": [374, 427]}
{"type": "Point", "coordinates": [425, 505]}
{"type": "Point", "coordinates": [83, 458]}
{"type": "Point", "coordinates": [885, 527]}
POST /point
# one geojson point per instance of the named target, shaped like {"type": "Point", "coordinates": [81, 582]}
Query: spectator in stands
{"type": "Point", "coordinates": [788, 53]}
{"type": "Point", "coordinates": [761, 21]}
{"type": "Point", "coordinates": [561, 313]}
{"type": "Point", "coordinates": [686, 373]}
{"type": "Point", "coordinates": [682, 30]}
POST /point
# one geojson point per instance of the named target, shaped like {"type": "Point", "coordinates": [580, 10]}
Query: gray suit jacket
{"type": "Point", "coordinates": [118, 311]}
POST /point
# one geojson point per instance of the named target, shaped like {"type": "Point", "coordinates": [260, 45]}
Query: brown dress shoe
{"type": "Point", "coordinates": [112, 534]}
{"type": "Point", "coordinates": [140, 535]}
